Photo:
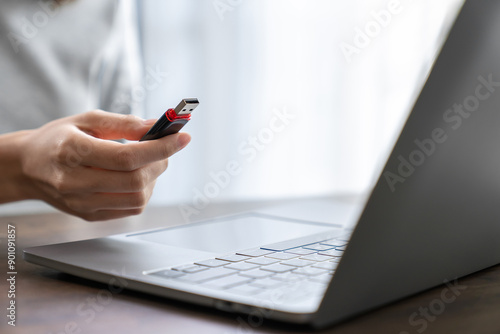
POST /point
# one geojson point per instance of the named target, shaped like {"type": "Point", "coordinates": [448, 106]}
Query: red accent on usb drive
{"type": "Point", "coordinates": [172, 116]}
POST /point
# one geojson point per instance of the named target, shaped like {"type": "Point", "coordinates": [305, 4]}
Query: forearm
{"type": "Point", "coordinates": [14, 185]}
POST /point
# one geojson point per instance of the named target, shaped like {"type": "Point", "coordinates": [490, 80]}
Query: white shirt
{"type": "Point", "coordinates": [57, 61]}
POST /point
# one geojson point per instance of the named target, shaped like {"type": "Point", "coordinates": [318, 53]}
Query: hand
{"type": "Point", "coordinates": [72, 164]}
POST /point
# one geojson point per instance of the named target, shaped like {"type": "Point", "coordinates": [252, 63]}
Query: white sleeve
{"type": "Point", "coordinates": [119, 70]}
{"type": "Point", "coordinates": [61, 61]}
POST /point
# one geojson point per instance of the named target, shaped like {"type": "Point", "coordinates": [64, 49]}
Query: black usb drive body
{"type": "Point", "coordinates": [172, 120]}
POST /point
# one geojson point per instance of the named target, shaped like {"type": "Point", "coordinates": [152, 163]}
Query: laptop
{"type": "Point", "coordinates": [431, 218]}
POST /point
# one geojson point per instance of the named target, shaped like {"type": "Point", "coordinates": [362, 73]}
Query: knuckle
{"type": "Point", "coordinates": [94, 114]}
{"type": "Point", "coordinates": [63, 149]}
{"type": "Point", "coordinates": [167, 150]}
{"type": "Point", "coordinates": [138, 180]}
{"type": "Point", "coordinates": [138, 200]}
{"type": "Point", "coordinates": [125, 121]}
{"type": "Point", "coordinates": [100, 120]}
{"type": "Point", "coordinates": [62, 184]}
{"type": "Point", "coordinates": [126, 159]}
{"type": "Point", "coordinates": [155, 170]}
{"type": "Point", "coordinates": [131, 119]}
{"type": "Point", "coordinates": [81, 204]}
{"type": "Point", "coordinates": [165, 165]}
{"type": "Point", "coordinates": [70, 152]}
{"type": "Point", "coordinates": [78, 206]}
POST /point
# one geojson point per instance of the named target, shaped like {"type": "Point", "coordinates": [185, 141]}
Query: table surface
{"type": "Point", "coordinates": [48, 301]}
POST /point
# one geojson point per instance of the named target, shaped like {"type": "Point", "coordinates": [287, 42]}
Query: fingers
{"type": "Point", "coordinates": [103, 206]}
{"type": "Point", "coordinates": [107, 125]}
{"type": "Point", "coordinates": [103, 215]}
{"type": "Point", "coordinates": [105, 154]}
{"type": "Point", "coordinates": [87, 179]}
{"type": "Point", "coordinates": [102, 201]}
{"type": "Point", "coordinates": [110, 214]}
{"type": "Point", "coordinates": [127, 157]}
{"type": "Point", "coordinates": [73, 165]}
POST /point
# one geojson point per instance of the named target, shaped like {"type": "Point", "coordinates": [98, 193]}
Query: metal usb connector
{"type": "Point", "coordinates": [172, 120]}
{"type": "Point", "coordinates": [186, 106]}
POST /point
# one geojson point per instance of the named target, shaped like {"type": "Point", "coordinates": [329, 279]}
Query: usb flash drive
{"type": "Point", "coordinates": [172, 120]}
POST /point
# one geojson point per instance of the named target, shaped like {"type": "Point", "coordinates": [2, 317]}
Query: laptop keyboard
{"type": "Point", "coordinates": [256, 271]}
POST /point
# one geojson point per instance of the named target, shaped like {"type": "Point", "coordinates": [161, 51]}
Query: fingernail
{"type": "Point", "coordinates": [183, 140]}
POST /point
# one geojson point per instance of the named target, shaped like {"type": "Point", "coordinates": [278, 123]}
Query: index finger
{"type": "Point", "coordinates": [131, 156]}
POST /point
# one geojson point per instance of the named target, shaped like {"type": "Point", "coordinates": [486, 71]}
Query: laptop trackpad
{"type": "Point", "coordinates": [229, 235]}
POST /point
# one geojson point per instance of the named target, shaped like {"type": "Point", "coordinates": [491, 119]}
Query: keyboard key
{"type": "Point", "coordinates": [282, 256]}
{"type": "Point", "coordinates": [185, 266]}
{"type": "Point", "coordinates": [323, 278]}
{"type": "Point", "coordinates": [256, 273]}
{"type": "Point", "coordinates": [228, 281]}
{"type": "Point", "coordinates": [266, 283]}
{"type": "Point", "coordinates": [318, 247]}
{"type": "Point", "coordinates": [297, 263]}
{"type": "Point", "coordinates": [325, 265]}
{"type": "Point", "coordinates": [333, 243]}
{"type": "Point", "coordinates": [194, 269]}
{"type": "Point", "coordinates": [307, 288]}
{"type": "Point", "coordinates": [233, 258]}
{"type": "Point", "coordinates": [332, 252]}
{"type": "Point", "coordinates": [315, 257]}
{"type": "Point", "coordinates": [169, 273]}
{"type": "Point", "coordinates": [300, 251]}
{"type": "Point", "coordinates": [292, 243]}
{"type": "Point", "coordinates": [190, 268]}
{"type": "Point", "coordinates": [207, 275]}
{"type": "Point", "coordinates": [255, 252]}
{"type": "Point", "coordinates": [288, 277]}
{"type": "Point", "coordinates": [310, 271]}
{"type": "Point", "coordinates": [242, 266]}
{"type": "Point", "coordinates": [277, 268]}
{"type": "Point", "coordinates": [212, 263]}
{"type": "Point", "coordinates": [263, 261]}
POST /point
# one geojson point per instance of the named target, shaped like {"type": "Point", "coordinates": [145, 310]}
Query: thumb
{"type": "Point", "coordinates": [108, 125]}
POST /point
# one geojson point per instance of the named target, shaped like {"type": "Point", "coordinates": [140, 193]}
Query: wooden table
{"type": "Point", "coordinates": [48, 301]}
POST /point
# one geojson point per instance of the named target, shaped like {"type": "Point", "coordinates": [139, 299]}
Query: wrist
{"type": "Point", "coordinates": [15, 184]}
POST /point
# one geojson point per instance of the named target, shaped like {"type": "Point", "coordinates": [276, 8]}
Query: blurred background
{"type": "Point", "coordinates": [298, 97]}
{"type": "Point", "coordinates": [347, 73]}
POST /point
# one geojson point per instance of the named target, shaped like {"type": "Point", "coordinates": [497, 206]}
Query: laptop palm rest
{"type": "Point", "coordinates": [227, 235]}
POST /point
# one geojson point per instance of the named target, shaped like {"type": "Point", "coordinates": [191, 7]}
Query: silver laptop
{"type": "Point", "coordinates": [432, 217]}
